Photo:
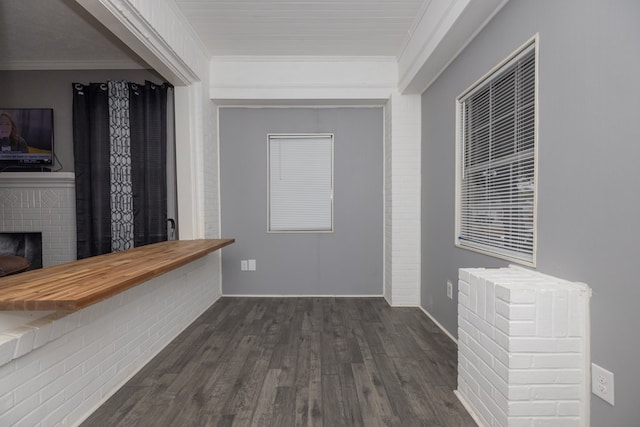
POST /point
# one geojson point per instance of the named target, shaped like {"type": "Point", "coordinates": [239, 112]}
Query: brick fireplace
{"type": "Point", "coordinates": [41, 202]}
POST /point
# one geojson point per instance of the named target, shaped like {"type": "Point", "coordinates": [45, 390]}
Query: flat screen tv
{"type": "Point", "coordinates": [26, 137]}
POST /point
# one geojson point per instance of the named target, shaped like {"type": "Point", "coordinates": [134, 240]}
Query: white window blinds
{"type": "Point", "coordinates": [497, 146]}
{"type": "Point", "coordinates": [301, 183]}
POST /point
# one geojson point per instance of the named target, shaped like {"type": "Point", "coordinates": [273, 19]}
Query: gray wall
{"type": "Point", "coordinates": [52, 89]}
{"type": "Point", "coordinates": [589, 190]}
{"type": "Point", "coordinates": [346, 262]}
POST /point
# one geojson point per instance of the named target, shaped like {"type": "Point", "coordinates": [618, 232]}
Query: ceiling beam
{"type": "Point", "coordinates": [443, 31]}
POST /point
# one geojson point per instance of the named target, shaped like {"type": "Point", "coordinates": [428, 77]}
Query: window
{"type": "Point", "coordinates": [496, 150]}
{"type": "Point", "coordinates": [301, 183]}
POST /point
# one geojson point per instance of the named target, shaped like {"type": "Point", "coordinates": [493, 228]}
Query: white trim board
{"type": "Point", "coordinates": [300, 296]}
{"type": "Point", "coordinates": [439, 325]}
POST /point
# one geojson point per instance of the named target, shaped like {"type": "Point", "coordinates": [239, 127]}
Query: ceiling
{"type": "Point", "coordinates": [54, 34]}
{"type": "Point", "coordinates": [303, 27]}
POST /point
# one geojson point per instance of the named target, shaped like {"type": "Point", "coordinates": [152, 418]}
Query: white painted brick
{"type": "Point", "coordinates": [34, 417]}
{"type": "Point", "coordinates": [533, 345]}
{"type": "Point", "coordinates": [546, 376]}
{"type": "Point", "coordinates": [560, 314]}
{"type": "Point", "coordinates": [463, 275]}
{"type": "Point", "coordinates": [519, 360]}
{"type": "Point", "coordinates": [6, 402]}
{"type": "Point", "coordinates": [499, 417]}
{"type": "Point", "coordinates": [570, 345]}
{"type": "Point", "coordinates": [544, 314]}
{"type": "Point", "coordinates": [501, 370]}
{"type": "Point", "coordinates": [518, 392]}
{"type": "Point", "coordinates": [26, 336]}
{"type": "Point", "coordinates": [557, 360]}
{"type": "Point", "coordinates": [502, 324]}
{"type": "Point", "coordinates": [481, 410]}
{"type": "Point", "coordinates": [498, 383]}
{"type": "Point", "coordinates": [502, 340]}
{"type": "Point", "coordinates": [556, 392]}
{"type": "Point", "coordinates": [537, 368]}
{"type": "Point", "coordinates": [518, 328]}
{"type": "Point", "coordinates": [8, 344]}
{"type": "Point", "coordinates": [56, 387]}
{"type": "Point", "coordinates": [481, 308]}
{"type": "Point", "coordinates": [35, 384]}
{"type": "Point", "coordinates": [463, 287]}
{"type": "Point", "coordinates": [557, 422]}
{"type": "Point", "coordinates": [471, 377]}
{"type": "Point", "coordinates": [536, 409]}
{"type": "Point", "coordinates": [20, 410]}
{"type": "Point", "coordinates": [480, 351]}
{"type": "Point", "coordinates": [569, 408]}
{"type": "Point", "coordinates": [43, 332]}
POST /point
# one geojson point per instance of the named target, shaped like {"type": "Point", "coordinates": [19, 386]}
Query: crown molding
{"type": "Point", "coordinates": [445, 28]}
{"type": "Point", "coordinates": [128, 23]}
{"type": "Point", "coordinates": [302, 58]}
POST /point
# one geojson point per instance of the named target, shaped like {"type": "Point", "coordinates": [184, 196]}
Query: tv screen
{"type": "Point", "coordinates": [26, 136]}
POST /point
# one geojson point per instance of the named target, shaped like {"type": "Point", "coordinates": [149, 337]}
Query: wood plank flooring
{"type": "Point", "coordinates": [296, 362]}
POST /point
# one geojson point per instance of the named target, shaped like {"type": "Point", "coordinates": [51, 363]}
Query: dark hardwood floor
{"type": "Point", "coordinates": [296, 361]}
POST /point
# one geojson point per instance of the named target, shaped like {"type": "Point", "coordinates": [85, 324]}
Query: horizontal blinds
{"type": "Point", "coordinates": [497, 193]}
{"type": "Point", "coordinates": [300, 183]}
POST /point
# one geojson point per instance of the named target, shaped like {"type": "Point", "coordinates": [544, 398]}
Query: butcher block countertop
{"type": "Point", "coordinates": [77, 284]}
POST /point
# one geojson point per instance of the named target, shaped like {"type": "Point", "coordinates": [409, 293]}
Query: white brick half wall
{"type": "Point", "coordinates": [62, 367]}
{"type": "Point", "coordinates": [523, 348]}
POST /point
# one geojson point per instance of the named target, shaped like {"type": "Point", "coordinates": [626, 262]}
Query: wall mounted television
{"type": "Point", "coordinates": [26, 137]}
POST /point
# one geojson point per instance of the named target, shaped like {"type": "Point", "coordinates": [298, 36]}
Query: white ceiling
{"type": "Point", "coordinates": [54, 34]}
{"type": "Point", "coordinates": [304, 27]}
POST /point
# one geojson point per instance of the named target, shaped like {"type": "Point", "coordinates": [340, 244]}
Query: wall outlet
{"type": "Point", "coordinates": [252, 265]}
{"type": "Point", "coordinates": [602, 383]}
{"type": "Point", "coordinates": [449, 289]}
{"type": "Point", "coordinates": [244, 265]}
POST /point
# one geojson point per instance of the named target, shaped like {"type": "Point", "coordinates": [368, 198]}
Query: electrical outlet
{"type": "Point", "coordinates": [602, 383]}
{"type": "Point", "coordinates": [244, 265]}
{"type": "Point", "coordinates": [252, 265]}
{"type": "Point", "coordinates": [449, 289]}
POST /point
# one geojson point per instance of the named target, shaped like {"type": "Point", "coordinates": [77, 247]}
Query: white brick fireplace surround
{"type": "Point", "coordinates": [523, 348]}
{"type": "Point", "coordinates": [41, 202]}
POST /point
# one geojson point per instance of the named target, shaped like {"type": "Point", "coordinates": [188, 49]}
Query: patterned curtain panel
{"type": "Point", "coordinates": [120, 167]}
{"type": "Point", "coordinates": [120, 139]}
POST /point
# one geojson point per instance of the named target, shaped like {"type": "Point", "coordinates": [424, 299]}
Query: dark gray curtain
{"type": "Point", "coordinates": [120, 138]}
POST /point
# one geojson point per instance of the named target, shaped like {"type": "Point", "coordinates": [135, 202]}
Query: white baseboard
{"type": "Point", "coordinates": [300, 296]}
{"type": "Point", "coordinates": [439, 325]}
{"type": "Point", "coordinates": [469, 408]}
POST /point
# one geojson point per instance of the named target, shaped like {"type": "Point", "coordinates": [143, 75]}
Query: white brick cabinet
{"type": "Point", "coordinates": [523, 348]}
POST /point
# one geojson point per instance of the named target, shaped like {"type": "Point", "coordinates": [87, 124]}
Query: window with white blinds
{"type": "Point", "coordinates": [301, 183]}
{"type": "Point", "coordinates": [496, 144]}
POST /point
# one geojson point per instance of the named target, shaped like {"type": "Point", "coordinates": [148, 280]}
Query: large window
{"type": "Point", "coordinates": [496, 172]}
{"type": "Point", "coordinates": [301, 183]}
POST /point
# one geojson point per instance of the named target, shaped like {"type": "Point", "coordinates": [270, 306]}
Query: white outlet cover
{"type": "Point", "coordinates": [449, 289]}
{"type": "Point", "coordinates": [252, 265]}
{"type": "Point", "coordinates": [602, 383]}
{"type": "Point", "coordinates": [244, 266]}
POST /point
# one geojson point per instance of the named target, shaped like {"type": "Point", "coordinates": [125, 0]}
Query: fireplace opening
{"type": "Point", "coordinates": [27, 245]}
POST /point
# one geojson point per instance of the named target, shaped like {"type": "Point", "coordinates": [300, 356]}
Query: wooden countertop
{"type": "Point", "coordinates": [77, 284]}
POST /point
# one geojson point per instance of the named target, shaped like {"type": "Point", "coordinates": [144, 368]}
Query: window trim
{"type": "Point", "coordinates": [533, 42]}
{"type": "Point", "coordinates": [309, 135]}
